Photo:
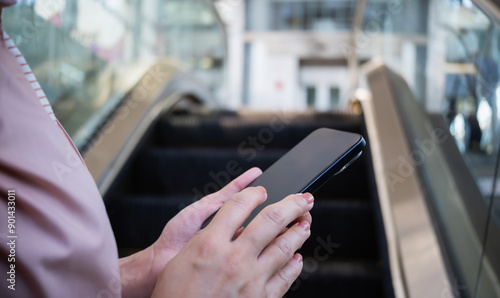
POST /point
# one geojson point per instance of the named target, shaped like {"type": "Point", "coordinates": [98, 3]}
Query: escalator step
{"type": "Point", "coordinates": [203, 171]}
{"type": "Point", "coordinates": [341, 229]}
{"type": "Point", "coordinates": [181, 171]}
{"type": "Point", "coordinates": [137, 221]}
{"type": "Point", "coordinates": [340, 279]}
{"type": "Point", "coordinates": [267, 130]}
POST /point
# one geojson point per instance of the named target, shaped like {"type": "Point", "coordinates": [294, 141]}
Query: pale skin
{"type": "Point", "coordinates": [188, 262]}
{"type": "Point", "coordinates": [222, 260]}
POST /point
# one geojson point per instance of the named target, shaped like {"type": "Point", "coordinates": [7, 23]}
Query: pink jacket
{"type": "Point", "coordinates": [60, 242]}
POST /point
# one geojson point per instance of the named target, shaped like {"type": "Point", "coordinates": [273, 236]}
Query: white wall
{"type": "Point", "coordinates": [323, 78]}
{"type": "Point", "coordinates": [275, 57]}
{"type": "Point", "coordinates": [273, 80]}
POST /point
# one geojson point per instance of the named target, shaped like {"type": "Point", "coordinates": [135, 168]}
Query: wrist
{"type": "Point", "coordinates": [136, 274]}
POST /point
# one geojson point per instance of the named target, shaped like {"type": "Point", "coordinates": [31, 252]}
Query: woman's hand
{"type": "Point", "coordinates": [260, 262]}
{"type": "Point", "coordinates": [140, 271]}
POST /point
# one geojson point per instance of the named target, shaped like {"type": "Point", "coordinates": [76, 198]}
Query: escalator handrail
{"type": "Point", "coordinates": [162, 86]}
{"type": "Point", "coordinates": [453, 198]}
{"type": "Point", "coordinates": [406, 218]}
{"type": "Point", "coordinates": [452, 167]}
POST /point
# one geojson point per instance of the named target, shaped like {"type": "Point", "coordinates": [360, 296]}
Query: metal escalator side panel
{"type": "Point", "coordinates": [416, 272]}
{"type": "Point", "coordinates": [115, 140]}
{"type": "Point", "coordinates": [453, 197]}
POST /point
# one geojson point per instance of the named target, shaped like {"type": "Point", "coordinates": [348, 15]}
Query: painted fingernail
{"type": "Point", "coordinates": [304, 225]}
{"type": "Point", "coordinates": [308, 197]}
{"type": "Point", "coordinates": [298, 258]}
{"type": "Point", "coordinates": [238, 232]}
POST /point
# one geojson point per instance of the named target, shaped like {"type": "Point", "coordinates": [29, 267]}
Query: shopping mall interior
{"type": "Point", "coordinates": [169, 100]}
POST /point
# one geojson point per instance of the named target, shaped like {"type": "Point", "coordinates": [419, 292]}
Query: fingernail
{"type": "Point", "coordinates": [263, 189]}
{"type": "Point", "coordinates": [308, 197]}
{"type": "Point", "coordinates": [298, 258]}
{"type": "Point", "coordinates": [304, 225]}
{"type": "Point", "coordinates": [239, 231]}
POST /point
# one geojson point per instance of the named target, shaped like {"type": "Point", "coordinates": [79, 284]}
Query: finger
{"type": "Point", "coordinates": [281, 249]}
{"type": "Point", "coordinates": [200, 210]}
{"type": "Point", "coordinates": [238, 233]}
{"type": "Point", "coordinates": [273, 219]}
{"type": "Point", "coordinates": [234, 212]}
{"type": "Point", "coordinates": [282, 280]}
{"type": "Point", "coordinates": [238, 184]}
{"type": "Point", "coordinates": [305, 217]}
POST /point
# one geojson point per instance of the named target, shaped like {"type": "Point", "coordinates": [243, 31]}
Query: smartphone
{"type": "Point", "coordinates": [306, 167]}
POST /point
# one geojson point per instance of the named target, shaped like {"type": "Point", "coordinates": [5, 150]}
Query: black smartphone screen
{"type": "Point", "coordinates": [307, 166]}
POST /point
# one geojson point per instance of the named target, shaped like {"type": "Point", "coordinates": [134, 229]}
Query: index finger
{"type": "Point", "coordinates": [273, 219]}
{"type": "Point", "coordinates": [214, 201]}
{"type": "Point", "coordinates": [194, 216]}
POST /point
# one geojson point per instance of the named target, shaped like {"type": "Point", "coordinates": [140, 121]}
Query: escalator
{"type": "Point", "coordinates": [188, 153]}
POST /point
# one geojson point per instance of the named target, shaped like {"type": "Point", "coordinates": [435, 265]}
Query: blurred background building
{"type": "Point", "coordinates": [296, 52]}
{"type": "Point", "coordinates": [258, 54]}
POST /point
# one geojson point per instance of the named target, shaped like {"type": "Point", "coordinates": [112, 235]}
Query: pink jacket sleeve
{"type": "Point", "coordinates": [61, 243]}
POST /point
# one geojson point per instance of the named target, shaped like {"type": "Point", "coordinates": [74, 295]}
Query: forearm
{"type": "Point", "coordinates": [136, 274]}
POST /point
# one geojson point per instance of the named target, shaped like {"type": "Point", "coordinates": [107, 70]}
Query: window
{"type": "Point", "coordinates": [311, 15]}
{"type": "Point", "coordinates": [334, 97]}
{"type": "Point", "coordinates": [311, 96]}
